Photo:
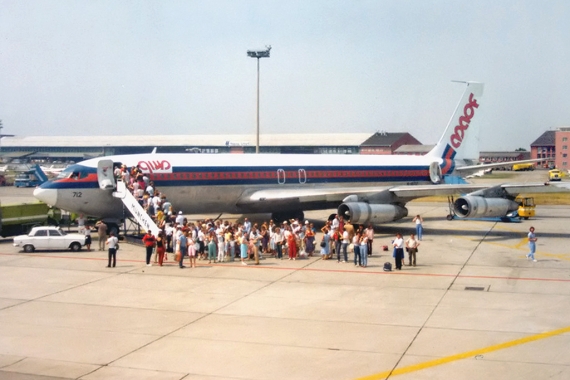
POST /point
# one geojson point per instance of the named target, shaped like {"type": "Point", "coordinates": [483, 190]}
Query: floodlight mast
{"type": "Point", "coordinates": [258, 54]}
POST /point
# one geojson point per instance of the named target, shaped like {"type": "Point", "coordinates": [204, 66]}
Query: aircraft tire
{"type": "Point", "coordinates": [279, 217]}
{"type": "Point", "coordinates": [114, 228]}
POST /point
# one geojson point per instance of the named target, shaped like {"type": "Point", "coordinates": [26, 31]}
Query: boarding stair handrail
{"type": "Point", "coordinates": [135, 208]}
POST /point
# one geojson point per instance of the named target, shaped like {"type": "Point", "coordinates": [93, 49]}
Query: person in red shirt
{"type": "Point", "coordinates": [292, 245]}
{"type": "Point", "coordinates": [160, 247]}
{"type": "Point", "coordinates": [149, 242]}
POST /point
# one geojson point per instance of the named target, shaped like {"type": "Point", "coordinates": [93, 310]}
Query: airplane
{"type": "Point", "coordinates": [363, 188]}
{"type": "Point", "coordinates": [480, 173]}
{"type": "Point", "coordinates": [52, 170]}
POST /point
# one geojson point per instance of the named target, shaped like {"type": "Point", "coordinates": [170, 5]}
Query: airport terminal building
{"type": "Point", "coordinates": [77, 148]}
{"type": "Point", "coordinates": [551, 145]}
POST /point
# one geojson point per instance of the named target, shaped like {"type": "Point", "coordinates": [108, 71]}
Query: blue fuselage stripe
{"type": "Point", "coordinates": [263, 175]}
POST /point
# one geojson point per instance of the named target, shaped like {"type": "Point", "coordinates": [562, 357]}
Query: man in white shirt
{"type": "Point", "coordinates": [112, 242]}
{"type": "Point", "coordinates": [412, 248]}
{"type": "Point", "coordinates": [335, 224]}
{"type": "Point", "coordinates": [81, 224]}
{"type": "Point", "coordinates": [247, 226]}
{"type": "Point", "coordinates": [398, 253]}
{"type": "Point", "coordinates": [180, 218]}
{"type": "Point", "coordinates": [169, 230]}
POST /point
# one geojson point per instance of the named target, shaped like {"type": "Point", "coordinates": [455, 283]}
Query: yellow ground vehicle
{"type": "Point", "coordinates": [523, 167]}
{"type": "Point", "coordinates": [526, 207]}
{"type": "Point", "coordinates": [554, 175]}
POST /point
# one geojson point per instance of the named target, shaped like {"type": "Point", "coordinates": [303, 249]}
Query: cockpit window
{"type": "Point", "coordinates": [74, 172]}
{"type": "Point", "coordinates": [65, 173]}
{"type": "Point", "coordinates": [77, 175]}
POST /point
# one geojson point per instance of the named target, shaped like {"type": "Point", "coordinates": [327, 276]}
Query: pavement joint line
{"type": "Point", "coordinates": [465, 355]}
{"type": "Point", "coordinates": [397, 371]}
{"type": "Point", "coordinates": [300, 269]}
{"type": "Point", "coordinates": [59, 291]}
{"type": "Point", "coordinates": [521, 247]}
{"type": "Point", "coordinates": [269, 283]}
{"type": "Point", "coordinates": [449, 288]}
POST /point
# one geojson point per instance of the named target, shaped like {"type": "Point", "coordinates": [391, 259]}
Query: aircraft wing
{"type": "Point", "coordinates": [389, 194]}
{"type": "Point", "coordinates": [315, 194]}
{"type": "Point", "coordinates": [413, 192]}
{"type": "Point", "coordinates": [467, 169]}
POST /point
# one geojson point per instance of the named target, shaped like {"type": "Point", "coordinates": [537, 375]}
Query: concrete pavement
{"type": "Point", "coordinates": [64, 315]}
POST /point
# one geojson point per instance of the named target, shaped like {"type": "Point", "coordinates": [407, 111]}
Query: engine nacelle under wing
{"type": "Point", "coordinates": [363, 213]}
{"type": "Point", "coordinates": [479, 207]}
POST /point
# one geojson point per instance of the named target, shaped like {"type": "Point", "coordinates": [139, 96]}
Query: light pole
{"type": "Point", "coordinates": [258, 54]}
{"type": "Point", "coordinates": [1, 138]}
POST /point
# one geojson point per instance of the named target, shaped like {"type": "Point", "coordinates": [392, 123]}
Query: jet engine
{"type": "Point", "coordinates": [363, 213]}
{"type": "Point", "coordinates": [479, 207]}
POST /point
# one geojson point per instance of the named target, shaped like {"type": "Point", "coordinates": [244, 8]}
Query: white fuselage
{"type": "Point", "coordinates": [221, 183]}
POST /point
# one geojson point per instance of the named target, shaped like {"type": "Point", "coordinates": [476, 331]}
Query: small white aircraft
{"type": "Point", "coordinates": [364, 188]}
{"type": "Point", "coordinates": [480, 173]}
{"type": "Point", "coordinates": [53, 170]}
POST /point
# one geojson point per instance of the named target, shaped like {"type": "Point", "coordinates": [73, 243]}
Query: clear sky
{"type": "Point", "coordinates": [180, 67]}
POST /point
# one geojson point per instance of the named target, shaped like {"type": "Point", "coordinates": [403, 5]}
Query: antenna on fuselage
{"type": "Point", "coordinates": [153, 151]}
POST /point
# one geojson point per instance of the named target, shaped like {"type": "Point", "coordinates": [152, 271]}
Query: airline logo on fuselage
{"type": "Point", "coordinates": [461, 127]}
{"type": "Point", "coordinates": [155, 166]}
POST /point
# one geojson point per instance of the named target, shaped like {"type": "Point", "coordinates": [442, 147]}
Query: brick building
{"type": "Point", "coordinates": [387, 142]}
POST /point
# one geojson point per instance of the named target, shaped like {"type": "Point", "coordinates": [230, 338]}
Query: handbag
{"type": "Point", "coordinates": [177, 256]}
{"type": "Point", "coordinates": [323, 244]}
{"type": "Point", "coordinates": [117, 246]}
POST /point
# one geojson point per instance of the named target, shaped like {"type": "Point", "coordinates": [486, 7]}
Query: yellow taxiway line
{"type": "Point", "coordinates": [464, 355]}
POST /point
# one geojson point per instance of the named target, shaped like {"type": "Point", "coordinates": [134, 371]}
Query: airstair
{"type": "Point", "coordinates": [107, 182]}
{"type": "Point", "coordinates": [135, 208]}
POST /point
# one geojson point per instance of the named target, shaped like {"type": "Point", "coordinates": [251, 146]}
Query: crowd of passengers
{"type": "Point", "coordinates": [220, 240]}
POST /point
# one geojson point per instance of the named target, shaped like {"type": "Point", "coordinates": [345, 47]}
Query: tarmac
{"type": "Point", "coordinates": [473, 308]}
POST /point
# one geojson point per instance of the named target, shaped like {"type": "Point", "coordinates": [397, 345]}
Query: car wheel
{"type": "Point", "coordinates": [28, 248]}
{"type": "Point", "coordinates": [75, 247]}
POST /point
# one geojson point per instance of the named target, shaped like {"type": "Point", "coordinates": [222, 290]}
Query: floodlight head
{"type": "Point", "coordinates": [259, 53]}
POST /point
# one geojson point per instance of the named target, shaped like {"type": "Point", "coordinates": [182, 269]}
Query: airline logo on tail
{"type": "Point", "coordinates": [457, 135]}
{"type": "Point", "coordinates": [468, 113]}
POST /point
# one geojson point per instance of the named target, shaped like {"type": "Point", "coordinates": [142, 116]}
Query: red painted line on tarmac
{"type": "Point", "coordinates": [261, 266]}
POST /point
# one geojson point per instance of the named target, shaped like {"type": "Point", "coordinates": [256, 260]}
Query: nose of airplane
{"type": "Point", "coordinates": [48, 196]}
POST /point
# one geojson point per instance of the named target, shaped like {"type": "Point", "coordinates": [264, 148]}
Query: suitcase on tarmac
{"type": "Point", "coordinates": [387, 267]}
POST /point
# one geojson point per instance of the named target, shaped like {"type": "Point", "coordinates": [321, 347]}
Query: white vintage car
{"type": "Point", "coordinates": [49, 237]}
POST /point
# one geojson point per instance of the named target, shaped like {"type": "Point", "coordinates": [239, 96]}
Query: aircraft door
{"type": "Point", "coordinates": [302, 176]}
{"type": "Point", "coordinates": [280, 176]}
{"type": "Point", "coordinates": [435, 173]}
{"type": "Point", "coordinates": [105, 175]}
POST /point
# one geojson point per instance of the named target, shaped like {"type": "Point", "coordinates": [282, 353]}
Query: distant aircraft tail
{"type": "Point", "coordinates": [40, 173]}
{"type": "Point", "coordinates": [460, 140]}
